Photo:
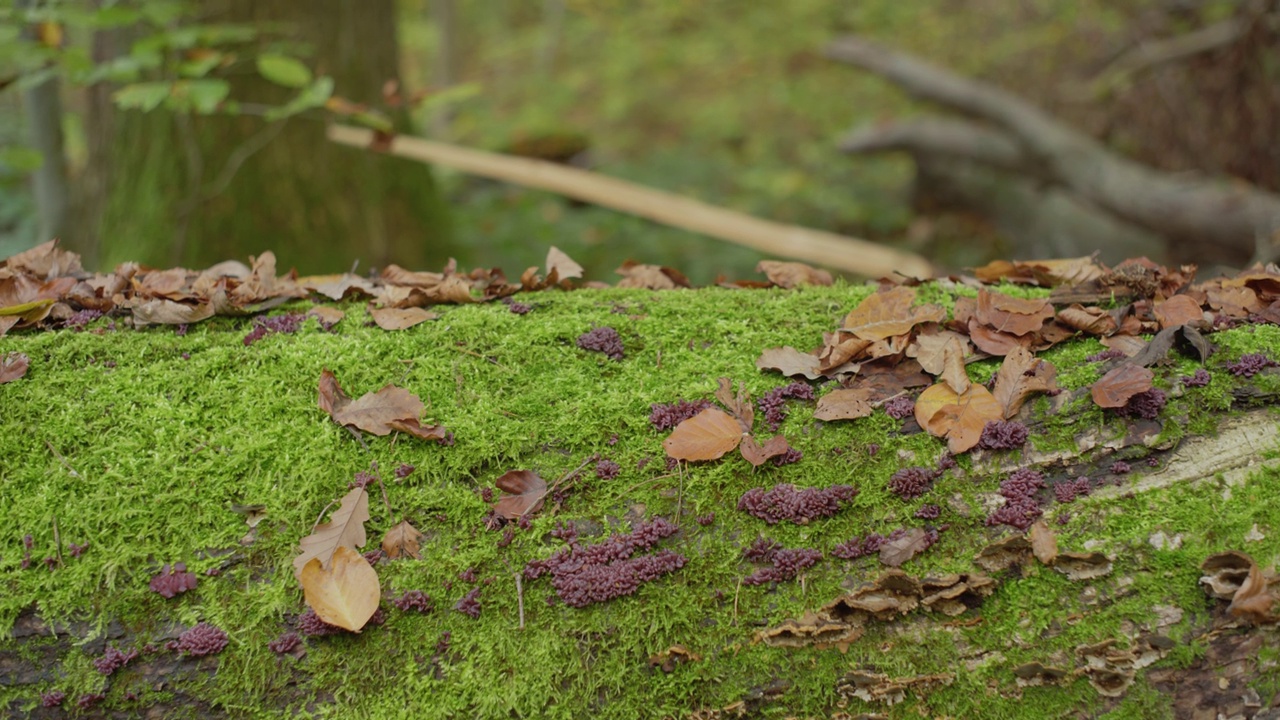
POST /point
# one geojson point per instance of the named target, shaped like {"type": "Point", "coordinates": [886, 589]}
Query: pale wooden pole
{"type": "Point", "coordinates": [792, 241]}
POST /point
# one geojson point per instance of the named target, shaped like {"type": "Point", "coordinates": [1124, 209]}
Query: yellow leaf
{"type": "Point", "coordinates": [346, 594]}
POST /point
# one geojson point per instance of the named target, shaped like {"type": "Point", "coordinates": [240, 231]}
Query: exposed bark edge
{"type": "Point", "coordinates": [1199, 212]}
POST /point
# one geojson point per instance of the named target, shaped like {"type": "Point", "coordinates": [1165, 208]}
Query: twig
{"type": "Point", "coordinates": [57, 541]}
{"type": "Point", "coordinates": [520, 599]}
{"type": "Point", "coordinates": [61, 459]}
{"type": "Point", "coordinates": [390, 517]}
{"type": "Point", "coordinates": [651, 480]}
{"type": "Point", "coordinates": [569, 476]}
{"type": "Point", "coordinates": [680, 494]}
{"type": "Point", "coordinates": [356, 434]}
{"type": "Point", "coordinates": [319, 517]}
{"type": "Point", "coordinates": [735, 601]}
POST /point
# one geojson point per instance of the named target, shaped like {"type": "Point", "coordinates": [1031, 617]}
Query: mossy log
{"type": "Point", "coordinates": [154, 447]}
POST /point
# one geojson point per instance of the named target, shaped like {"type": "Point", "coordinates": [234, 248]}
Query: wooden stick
{"type": "Point", "coordinates": [837, 251]}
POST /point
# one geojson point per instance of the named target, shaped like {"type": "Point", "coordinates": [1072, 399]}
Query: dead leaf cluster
{"type": "Point", "coordinates": [389, 409]}
{"type": "Point", "coordinates": [337, 582]}
{"type": "Point", "coordinates": [713, 433]}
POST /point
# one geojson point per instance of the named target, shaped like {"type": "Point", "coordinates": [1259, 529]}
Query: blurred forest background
{"type": "Point", "coordinates": [185, 134]}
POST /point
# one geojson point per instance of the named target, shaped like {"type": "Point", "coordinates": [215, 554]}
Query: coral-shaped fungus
{"type": "Point", "coordinates": [772, 403]}
{"type": "Point", "coordinates": [173, 580]}
{"type": "Point", "coordinates": [203, 639]}
{"type": "Point", "coordinates": [857, 547]}
{"type": "Point", "coordinates": [469, 604]}
{"type": "Point", "coordinates": [784, 564]}
{"type": "Point", "coordinates": [1199, 378]}
{"type": "Point", "coordinates": [1003, 435]}
{"type": "Point", "coordinates": [586, 574]}
{"type": "Point", "coordinates": [52, 699]}
{"type": "Point", "coordinates": [666, 416]}
{"type": "Point", "coordinates": [113, 659]}
{"type": "Point", "coordinates": [900, 408]}
{"type": "Point", "coordinates": [605, 340]}
{"type": "Point", "coordinates": [287, 323]}
{"type": "Point", "coordinates": [310, 624]}
{"type": "Point", "coordinates": [910, 483]}
{"type": "Point", "coordinates": [786, 502]}
{"type": "Point", "coordinates": [1021, 508]}
{"type": "Point", "coordinates": [1250, 364]}
{"type": "Point", "coordinates": [414, 600]}
{"type": "Point", "coordinates": [928, 512]}
{"type": "Point", "coordinates": [285, 644]}
{"type": "Point", "coordinates": [607, 469]}
{"type": "Point", "coordinates": [1145, 405]}
{"type": "Point", "coordinates": [1068, 490]}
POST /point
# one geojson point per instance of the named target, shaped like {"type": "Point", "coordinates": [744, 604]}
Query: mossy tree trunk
{"type": "Point", "coordinates": [168, 189]}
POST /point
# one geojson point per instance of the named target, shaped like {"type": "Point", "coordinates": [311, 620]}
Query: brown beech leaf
{"type": "Point", "coordinates": [45, 261]}
{"type": "Point", "coordinates": [930, 348]}
{"type": "Point", "coordinates": [838, 348]}
{"type": "Point", "coordinates": [953, 372]}
{"type": "Point", "coordinates": [400, 318]}
{"type": "Point", "coordinates": [705, 436]}
{"type": "Point", "coordinates": [896, 552]}
{"type": "Point", "coordinates": [402, 539]}
{"type": "Point", "coordinates": [845, 404]}
{"type": "Point", "coordinates": [327, 315]}
{"type": "Point", "coordinates": [1234, 301]}
{"type": "Point", "coordinates": [423, 432]}
{"type": "Point", "coordinates": [758, 455]}
{"type": "Point", "coordinates": [739, 405]}
{"type": "Point", "coordinates": [1020, 375]}
{"type": "Point", "coordinates": [959, 418]}
{"type": "Point", "coordinates": [168, 312]}
{"type": "Point", "coordinates": [886, 314]}
{"type": "Point", "coordinates": [561, 264]}
{"type": "Point", "coordinates": [1044, 543]}
{"type": "Point", "coordinates": [790, 362]}
{"type": "Point", "coordinates": [346, 593]}
{"type": "Point", "coordinates": [1252, 601]}
{"type": "Point", "coordinates": [1179, 310]}
{"type": "Point", "coordinates": [1115, 388]}
{"type": "Point", "coordinates": [13, 366]}
{"type": "Point", "coordinates": [1047, 273]}
{"type": "Point", "coordinates": [652, 277]}
{"type": "Point", "coordinates": [791, 274]}
{"type": "Point", "coordinates": [1092, 320]}
{"type": "Point", "coordinates": [1016, 316]}
{"type": "Point", "coordinates": [344, 529]}
{"type": "Point", "coordinates": [524, 494]}
{"type": "Point", "coordinates": [336, 287]}
{"type": "Point", "coordinates": [372, 412]}
{"type": "Point", "coordinates": [994, 342]}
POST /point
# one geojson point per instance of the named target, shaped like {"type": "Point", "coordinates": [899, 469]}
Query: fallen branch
{"type": "Point", "coordinates": [837, 251]}
{"type": "Point", "coordinates": [1196, 215]}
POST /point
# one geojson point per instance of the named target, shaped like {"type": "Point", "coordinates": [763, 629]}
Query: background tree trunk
{"type": "Point", "coordinates": [176, 189]}
{"type": "Point", "coordinates": [42, 105]}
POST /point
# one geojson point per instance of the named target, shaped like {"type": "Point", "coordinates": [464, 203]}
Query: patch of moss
{"type": "Point", "coordinates": [143, 453]}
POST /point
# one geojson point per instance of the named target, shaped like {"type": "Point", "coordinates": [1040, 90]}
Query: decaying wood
{"type": "Point", "coordinates": [824, 248]}
{"type": "Point", "coordinates": [1196, 215]}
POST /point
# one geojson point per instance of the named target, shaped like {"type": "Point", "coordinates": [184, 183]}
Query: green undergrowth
{"type": "Point", "coordinates": [141, 442]}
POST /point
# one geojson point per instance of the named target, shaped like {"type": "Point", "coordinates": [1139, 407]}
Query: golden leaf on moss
{"type": "Point", "coordinates": [845, 404]}
{"type": "Point", "coordinates": [376, 413]}
{"type": "Point", "coordinates": [959, 418]}
{"type": "Point", "coordinates": [390, 318]}
{"type": "Point", "coordinates": [1044, 543]}
{"type": "Point", "coordinates": [790, 362]}
{"type": "Point", "coordinates": [13, 366]}
{"type": "Point", "coordinates": [1020, 375]}
{"type": "Point", "coordinates": [344, 529]}
{"type": "Point", "coordinates": [403, 539]}
{"type": "Point", "coordinates": [886, 314]}
{"type": "Point", "coordinates": [346, 593]}
{"type": "Point", "coordinates": [1114, 389]}
{"type": "Point", "coordinates": [792, 274]}
{"type": "Point", "coordinates": [705, 436]}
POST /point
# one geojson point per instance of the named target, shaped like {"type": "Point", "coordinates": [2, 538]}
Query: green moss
{"type": "Point", "coordinates": [143, 457]}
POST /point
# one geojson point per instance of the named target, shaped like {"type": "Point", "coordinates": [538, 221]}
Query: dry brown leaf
{"type": "Point", "coordinates": [346, 593]}
{"type": "Point", "coordinates": [400, 318]}
{"type": "Point", "coordinates": [792, 274]}
{"type": "Point", "coordinates": [45, 261]}
{"type": "Point", "coordinates": [327, 315]}
{"type": "Point", "coordinates": [993, 342]}
{"type": "Point", "coordinates": [13, 366]}
{"type": "Point", "coordinates": [403, 539]}
{"type": "Point", "coordinates": [1044, 543]}
{"type": "Point", "coordinates": [652, 277]}
{"type": "Point", "coordinates": [738, 405]}
{"type": "Point", "coordinates": [372, 412]}
{"type": "Point", "coordinates": [1253, 601]}
{"type": "Point", "coordinates": [1114, 389]}
{"type": "Point", "coordinates": [896, 552]}
{"type": "Point", "coordinates": [958, 417]}
{"type": "Point", "coordinates": [1092, 320]}
{"type": "Point", "coordinates": [1020, 375]}
{"type": "Point", "coordinates": [1046, 273]}
{"type": "Point", "coordinates": [525, 491]}
{"type": "Point", "coordinates": [562, 265]}
{"type": "Point", "coordinates": [953, 372]}
{"type": "Point", "coordinates": [705, 436]}
{"type": "Point", "coordinates": [344, 529]}
{"type": "Point", "coordinates": [758, 455]}
{"type": "Point", "coordinates": [790, 362]}
{"type": "Point", "coordinates": [930, 348]}
{"type": "Point", "coordinates": [1179, 310]}
{"type": "Point", "coordinates": [437, 433]}
{"type": "Point", "coordinates": [168, 312]}
{"type": "Point", "coordinates": [1226, 572]}
{"type": "Point", "coordinates": [838, 348]}
{"type": "Point", "coordinates": [845, 404]}
{"type": "Point", "coordinates": [336, 287]}
{"type": "Point", "coordinates": [1234, 301]}
{"type": "Point", "coordinates": [1015, 316]}
{"type": "Point", "coordinates": [886, 314]}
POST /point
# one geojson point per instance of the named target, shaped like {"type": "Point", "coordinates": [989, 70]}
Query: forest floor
{"type": "Point", "coordinates": [123, 451]}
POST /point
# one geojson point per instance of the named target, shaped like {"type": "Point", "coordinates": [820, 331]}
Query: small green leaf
{"type": "Point", "coordinates": [205, 95]}
{"type": "Point", "coordinates": [142, 96]}
{"type": "Point", "coordinates": [201, 65]}
{"type": "Point", "coordinates": [284, 70]}
{"type": "Point", "coordinates": [20, 159]}
{"type": "Point", "coordinates": [313, 96]}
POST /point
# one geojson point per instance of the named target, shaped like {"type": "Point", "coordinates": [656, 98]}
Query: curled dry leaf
{"type": "Point", "coordinates": [792, 274]}
{"type": "Point", "coordinates": [344, 529]}
{"type": "Point", "coordinates": [1253, 601]}
{"type": "Point", "coordinates": [1020, 375]}
{"type": "Point", "coordinates": [1044, 543]}
{"type": "Point", "coordinates": [13, 366]}
{"type": "Point", "coordinates": [845, 404]}
{"type": "Point", "coordinates": [1092, 320]}
{"type": "Point", "coordinates": [327, 315]}
{"type": "Point", "coordinates": [1015, 316]}
{"type": "Point", "coordinates": [652, 277]}
{"type": "Point", "coordinates": [346, 593]}
{"type": "Point", "coordinates": [886, 314]}
{"type": "Point", "coordinates": [379, 413]}
{"type": "Point", "coordinates": [739, 405]}
{"type": "Point", "coordinates": [561, 264]}
{"type": "Point", "coordinates": [523, 492]}
{"type": "Point", "coordinates": [1115, 388]}
{"type": "Point", "coordinates": [336, 287]}
{"type": "Point", "coordinates": [838, 348]}
{"type": "Point", "coordinates": [790, 362]}
{"type": "Point", "coordinates": [705, 436]}
{"type": "Point", "coordinates": [959, 418]}
{"type": "Point", "coordinates": [1179, 310]}
{"type": "Point", "coordinates": [168, 312]}
{"type": "Point", "coordinates": [896, 552]}
{"type": "Point", "coordinates": [758, 455]}
{"type": "Point", "coordinates": [930, 348]}
{"type": "Point", "coordinates": [390, 318]}
{"type": "Point", "coordinates": [403, 539]}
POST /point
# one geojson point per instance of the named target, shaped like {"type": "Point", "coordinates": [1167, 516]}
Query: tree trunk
{"type": "Point", "coordinates": [187, 190]}
{"type": "Point", "coordinates": [42, 107]}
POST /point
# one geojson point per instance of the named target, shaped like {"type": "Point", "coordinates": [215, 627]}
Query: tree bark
{"type": "Point", "coordinates": [42, 106]}
{"type": "Point", "coordinates": [1198, 216]}
{"type": "Point", "coordinates": [186, 190]}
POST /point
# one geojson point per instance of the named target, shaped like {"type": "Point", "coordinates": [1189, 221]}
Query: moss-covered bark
{"type": "Point", "coordinates": [143, 444]}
